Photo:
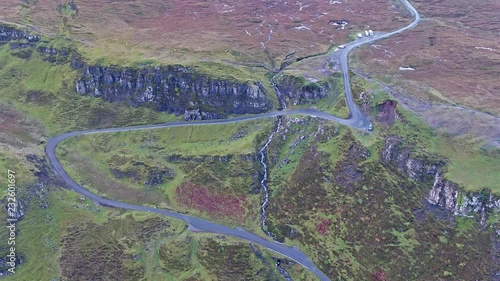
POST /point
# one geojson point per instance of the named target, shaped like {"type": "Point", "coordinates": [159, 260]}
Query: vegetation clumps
{"type": "Point", "coordinates": [86, 258]}
{"type": "Point", "coordinates": [216, 204]}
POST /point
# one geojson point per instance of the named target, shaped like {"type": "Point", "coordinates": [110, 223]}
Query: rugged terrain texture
{"type": "Point", "coordinates": [181, 31]}
{"type": "Point", "coordinates": [173, 89]}
{"type": "Point", "coordinates": [381, 212]}
{"type": "Point", "coordinates": [363, 206]}
{"type": "Point", "coordinates": [61, 235]}
{"type": "Point", "coordinates": [454, 51]}
{"type": "Point", "coordinates": [297, 90]}
{"type": "Point", "coordinates": [176, 89]}
{"type": "Point", "coordinates": [444, 193]}
{"type": "Point", "coordinates": [446, 66]}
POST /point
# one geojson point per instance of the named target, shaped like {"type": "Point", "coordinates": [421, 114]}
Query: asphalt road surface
{"type": "Point", "coordinates": [357, 120]}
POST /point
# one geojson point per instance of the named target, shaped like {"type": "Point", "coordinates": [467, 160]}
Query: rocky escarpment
{"type": "Point", "coordinates": [298, 91]}
{"type": "Point", "coordinates": [398, 156]}
{"type": "Point", "coordinates": [449, 196]}
{"type": "Point", "coordinates": [443, 193]}
{"type": "Point", "coordinates": [170, 88]}
{"type": "Point", "coordinates": [387, 112]}
{"type": "Point", "coordinates": [22, 44]}
{"type": "Point", "coordinates": [173, 88]}
{"type": "Point", "coordinates": [8, 33]}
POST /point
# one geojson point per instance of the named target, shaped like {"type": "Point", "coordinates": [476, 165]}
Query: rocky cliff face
{"type": "Point", "coordinates": [174, 89]}
{"type": "Point", "coordinates": [447, 195]}
{"type": "Point", "coordinates": [298, 91]}
{"type": "Point", "coordinates": [444, 193]}
{"type": "Point", "coordinates": [8, 33]}
{"type": "Point", "coordinates": [387, 112]}
{"type": "Point", "coordinates": [398, 156]}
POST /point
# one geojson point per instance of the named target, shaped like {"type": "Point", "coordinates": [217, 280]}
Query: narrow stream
{"type": "Point", "coordinates": [263, 152]}
{"type": "Point", "coordinates": [263, 182]}
{"type": "Point", "coordinates": [282, 271]}
{"type": "Point", "coordinates": [281, 99]}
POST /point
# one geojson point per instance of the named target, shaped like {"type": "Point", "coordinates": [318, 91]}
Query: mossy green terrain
{"type": "Point", "coordinates": [45, 92]}
{"type": "Point", "coordinates": [122, 245]}
{"type": "Point", "coordinates": [359, 218]}
{"type": "Point", "coordinates": [66, 237]}
{"type": "Point", "coordinates": [470, 163]}
{"type": "Point", "coordinates": [189, 169]}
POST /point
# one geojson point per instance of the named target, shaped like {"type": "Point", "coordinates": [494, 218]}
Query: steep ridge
{"type": "Point", "coordinates": [173, 89]}
{"type": "Point", "coordinates": [443, 193]}
{"type": "Point", "coordinates": [358, 121]}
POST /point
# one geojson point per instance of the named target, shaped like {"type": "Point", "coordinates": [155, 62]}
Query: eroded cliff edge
{"type": "Point", "coordinates": [173, 89]}
{"type": "Point", "coordinates": [178, 89]}
{"type": "Point", "coordinates": [443, 193]}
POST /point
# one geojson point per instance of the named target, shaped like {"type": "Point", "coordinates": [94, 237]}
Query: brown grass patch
{"type": "Point", "coordinates": [215, 204]}
{"type": "Point", "coordinates": [166, 29]}
{"type": "Point", "coordinates": [454, 51]}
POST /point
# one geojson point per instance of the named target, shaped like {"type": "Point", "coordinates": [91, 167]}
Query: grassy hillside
{"type": "Point", "coordinates": [175, 168]}
{"type": "Point", "coordinates": [44, 91]}
{"type": "Point", "coordinates": [359, 218]}
{"type": "Point", "coordinates": [37, 101]}
{"type": "Point", "coordinates": [471, 162]}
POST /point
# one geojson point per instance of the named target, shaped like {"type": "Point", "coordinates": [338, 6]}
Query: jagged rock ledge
{"type": "Point", "coordinates": [444, 193]}
{"type": "Point", "coordinates": [299, 91]}
{"type": "Point", "coordinates": [449, 196]}
{"type": "Point", "coordinates": [8, 33]}
{"type": "Point", "coordinates": [176, 89]}
{"type": "Point", "coordinates": [172, 88]}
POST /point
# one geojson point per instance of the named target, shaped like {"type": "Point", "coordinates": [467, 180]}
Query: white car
{"type": "Point", "coordinates": [342, 46]}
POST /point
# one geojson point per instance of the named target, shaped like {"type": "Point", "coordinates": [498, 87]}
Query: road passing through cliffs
{"type": "Point", "coordinates": [357, 120]}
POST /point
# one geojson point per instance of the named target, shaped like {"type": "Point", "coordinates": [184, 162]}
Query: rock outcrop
{"type": "Point", "coordinates": [387, 112]}
{"type": "Point", "coordinates": [54, 55]}
{"type": "Point", "coordinates": [444, 193]}
{"type": "Point", "coordinates": [173, 88]}
{"type": "Point", "coordinates": [196, 114]}
{"type": "Point", "coordinates": [449, 196]}
{"type": "Point", "coordinates": [298, 91]}
{"type": "Point", "coordinates": [8, 33]}
{"type": "Point", "coordinates": [398, 156]}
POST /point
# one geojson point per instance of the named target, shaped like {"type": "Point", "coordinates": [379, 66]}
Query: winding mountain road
{"type": "Point", "coordinates": [356, 120]}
